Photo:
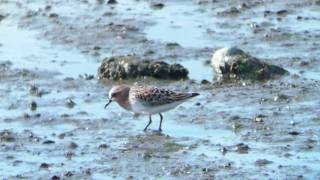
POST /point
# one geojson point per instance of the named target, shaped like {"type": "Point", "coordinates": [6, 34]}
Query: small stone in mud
{"type": "Point", "coordinates": [294, 133]}
{"type": "Point", "coordinates": [242, 148]}
{"type": "Point", "coordinates": [87, 172]}
{"type": "Point", "coordinates": [157, 5]}
{"type": "Point", "coordinates": [26, 116]}
{"type": "Point", "coordinates": [68, 174]}
{"type": "Point", "coordinates": [53, 15]}
{"type": "Point", "coordinates": [172, 45]}
{"type": "Point", "coordinates": [10, 157]}
{"type": "Point", "coordinates": [262, 162]}
{"type": "Point", "coordinates": [103, 146]}
{"type": "Point", "coordinates": [223, 150]}
{"type": "Point", "coordinates": [147, 155]}
{"type": "Point", "coordinates": [112, 2]}
{"type": "Point", "coordinates": [130, 177]}
{"type": "Point", "coordinates": [230, 11]}
{"type": "Point", "coordinates": [55, 177]}
{"type": "Point", "coordinates": [73, 145]}
{"type": "Point", "coordinates": [96, 48]}
{"type": "Point", "coordinates": [62, 135]}
{"type": "Point", "coordinates": [206, 170]}
{"type": "Point", "coordinates": [267, 12]}
{"type": "Point", "coordinates": [281, 97]}
{"type": "Point", "coordinates": [236, 126]}
{"type": "Point", "coordinates": [47, 8]}
{"type": "Point", "coordinates": [33, 89]}
{"type": "Point", "coordinates": [100, 1]}
{"type": "Point", "coordinates": [149, 52]}
{"type": "Point", "coordinates": [259, 118]}
{"type": "Point", "coordinates": [69, 154]}
{"type": "Point", "coordinates": [281, 12]}
{"type": "Point", "coordinates": [227, 165]}
{"type": "Point", "coordinates": [304, 63]}
{"type": "Point", "coordinates": [86, 77]}
{"type": "Point", "coordinates": [44, 165]}
{"type": "Point", "coordinates": [204, 81]}
{"type": "Point", "coordinates": [243, 6]}
{"type": "Point", "coordinates": [33, 106]}
{"type": "Point", "coordinates": [48, 142]}
{"type": "Point", "coordinates": [7, 136]}
{"type": "Point", "coordinates": [293, 123]}
{"type": "Point", "coordinates": [70, 103]}
{"type": "Point", "coordinates": [2, 17]}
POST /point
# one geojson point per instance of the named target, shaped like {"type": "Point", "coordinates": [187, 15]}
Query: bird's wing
{"type": "Point", "coordinates": [157, 96]}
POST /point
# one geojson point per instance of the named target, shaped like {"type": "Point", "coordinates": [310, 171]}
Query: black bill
{"type": "Point", "coordinates": [108, 103]}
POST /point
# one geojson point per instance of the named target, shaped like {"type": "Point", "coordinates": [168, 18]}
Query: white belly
{"type": "Point", "coordinates": [143, 109]}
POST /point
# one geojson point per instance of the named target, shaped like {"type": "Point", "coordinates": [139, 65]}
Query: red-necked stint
{"type": "Point", "coordinates": [147, 100]}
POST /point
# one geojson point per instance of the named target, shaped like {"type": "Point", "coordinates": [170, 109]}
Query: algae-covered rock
{"type": "Point", "coordinates": [231, 63]}
{"type": "Point", "coordinates": [126, 67]}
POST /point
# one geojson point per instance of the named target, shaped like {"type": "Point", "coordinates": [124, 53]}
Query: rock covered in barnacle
{"type": "Point", "coordinates": [127, 67]}
{"type": "Point", "coordinates": [231, 63]}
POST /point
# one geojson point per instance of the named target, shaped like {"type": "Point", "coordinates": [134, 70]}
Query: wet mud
{"type": "Point", "coordinates": [53, 124]}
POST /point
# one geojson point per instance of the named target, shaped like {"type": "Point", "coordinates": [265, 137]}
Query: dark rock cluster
{"type": "Point", "coordinates": [127, 67]}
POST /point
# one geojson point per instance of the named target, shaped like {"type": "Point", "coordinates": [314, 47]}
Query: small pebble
{"type": "Point", "coordinates": [33, 106]}
{"type": "Point", "coordinates": [70, 103]}
{"type": "Point", "coordinates": [55, 177]}
{"type": "Point", "coordinates": [157, 6]}
{"type": "Point", "coordinates": [204, 81]}
{"type": "Point", "coordinates": [68, 174]}
{"type": "Point", "coordinates": [223, 150]}
{"type": "Point", "coordinates": [294, 133]}
{"type": "Point", "coordinates": [112, 2]}
{"type": "Point", "coordinates": [282, 12]}
{"type": "Point", "coordinates": [48, 142]}
{"type": "Point", "coordinates": [44, 165]}
{"type": "Point", "coordinates": [73, 145]}
{"type": "Point", "coordinates": [53, 15]}
{"type": "Point", "coordinates": [103, 146]}
{"type": "Point", "coordinates": [242, 148]}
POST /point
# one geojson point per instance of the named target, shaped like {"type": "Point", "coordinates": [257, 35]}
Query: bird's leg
{"type": "Point", "coordinates": [160, 122]}
{"type": "Point", "coordinates": [150, 121]}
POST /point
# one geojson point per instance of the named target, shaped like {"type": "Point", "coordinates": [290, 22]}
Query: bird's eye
{"type": "Point", "coordinates": [113, 94]}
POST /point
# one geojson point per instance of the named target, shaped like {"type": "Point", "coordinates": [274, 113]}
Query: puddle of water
{"type": "Point", "coordinates": [198, 70]}
{"type": "Point", "coordinates": [306, 74]}
{"type": "Point", "coordinates": [185, 28]}
{"type": "Point", "coordinates": [25, 51]}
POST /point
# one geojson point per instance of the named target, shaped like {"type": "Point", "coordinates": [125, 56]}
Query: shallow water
{"type": "Point", "coordinates": [27, 51]}
{"type": "Point", "coordinates": [203, 129]}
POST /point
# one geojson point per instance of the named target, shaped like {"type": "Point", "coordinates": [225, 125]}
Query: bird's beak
{"type": "Point", "coordinates": [110, 101]}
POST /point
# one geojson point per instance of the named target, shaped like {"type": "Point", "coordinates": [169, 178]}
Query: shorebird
{"type": "Point", "coordinates": [147, 100]}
